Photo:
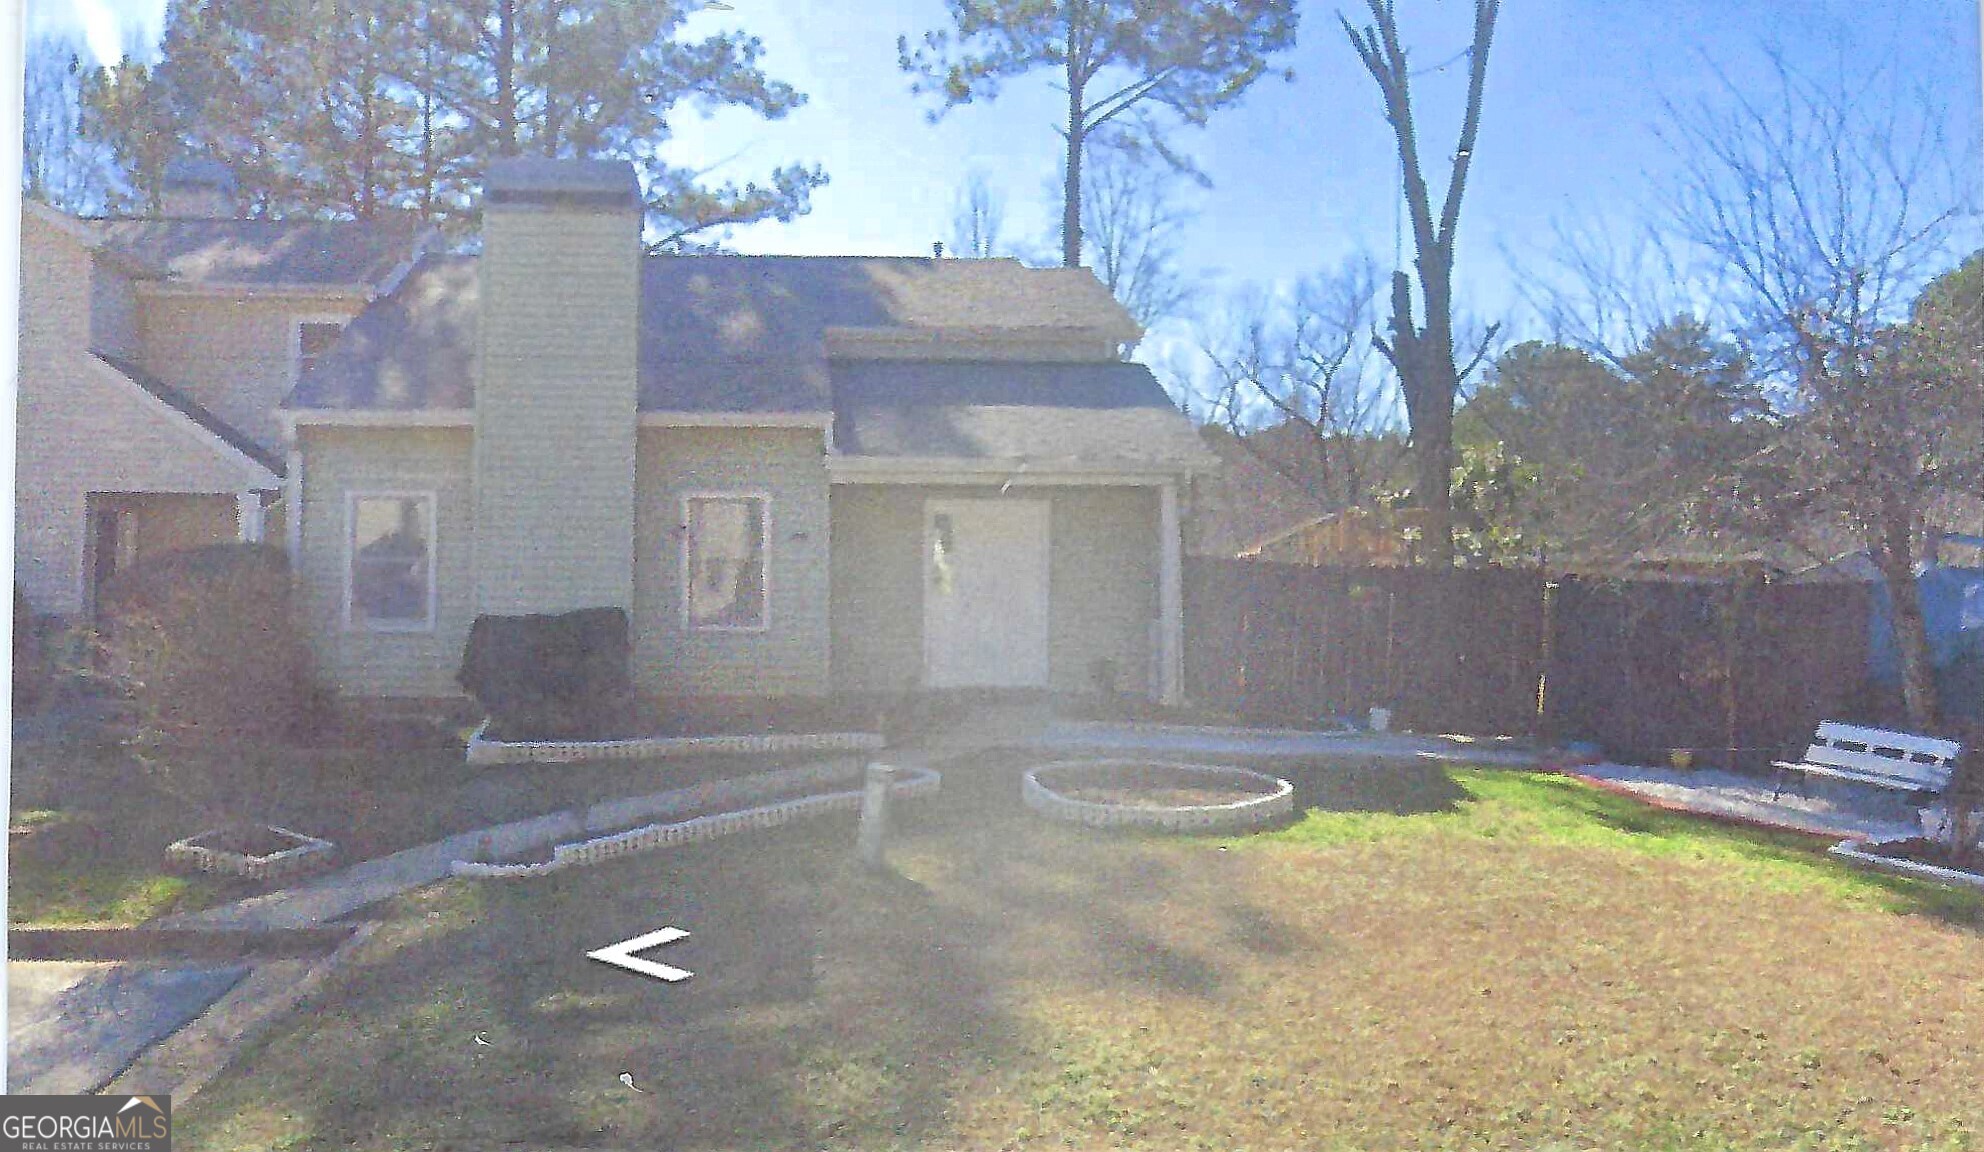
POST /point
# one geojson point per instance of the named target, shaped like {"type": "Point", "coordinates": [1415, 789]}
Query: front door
{"type": "Point", "coordinates": [985, 593]}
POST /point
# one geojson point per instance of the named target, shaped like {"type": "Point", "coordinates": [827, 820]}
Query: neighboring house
{"type": "Point", "coordinates": [797, 475]}
{"type": "Point", "coordinates": [1952, 599]}
{"type": "Point", "coordinates": [1248, 499]}
{"type": "Point", "coordinates": [153, 357]}
{"type": "Point", "coordinates": [1353, 538]}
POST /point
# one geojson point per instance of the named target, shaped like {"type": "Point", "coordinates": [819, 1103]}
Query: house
{"type": "Point", "coordinates": [799, 475]}
{"type": "Point", "coordinates": [154, 357]}
{"type": "Point", "coordinates": [1949, 582]}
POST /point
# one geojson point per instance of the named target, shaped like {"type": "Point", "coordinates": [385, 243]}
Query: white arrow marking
{"type": "Point", "coordinates": [621, 955]}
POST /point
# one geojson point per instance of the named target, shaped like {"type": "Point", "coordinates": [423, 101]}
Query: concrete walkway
{"type": "Point", "coordinates": [1841, 813]}
{"type": "Point", "coordinates": [74, 1026]}
{"type": "Point", "coordinates": [1171, 739]}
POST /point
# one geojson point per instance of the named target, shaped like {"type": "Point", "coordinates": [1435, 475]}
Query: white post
{"type": "Point", "coordinates": [248, 517]}
{"type": "Point", "coordinates": [292, 507]}
{"type": "Point", "coordinates": [871, 838]}
{"type": "Point", "coordinates": [1170, 598]}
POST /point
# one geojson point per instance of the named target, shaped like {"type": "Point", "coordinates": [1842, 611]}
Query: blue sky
{"type": "Point", "coordinates": [1302, 171]}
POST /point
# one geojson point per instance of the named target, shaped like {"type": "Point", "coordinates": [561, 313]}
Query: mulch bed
{"type": "Point", "coordinates": [249, 840]}
{"type": "Point", "coordinates": [1179, 797]}
{"type": "Point", "coordinates": [545, 853]}
{"type": "Point", "coordinates": [1148, 786]}
{"type": "Point", "coordinates": [1923, 850]}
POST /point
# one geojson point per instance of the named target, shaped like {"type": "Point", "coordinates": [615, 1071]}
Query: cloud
{"type": "Point", "coordinates": [101, 29]}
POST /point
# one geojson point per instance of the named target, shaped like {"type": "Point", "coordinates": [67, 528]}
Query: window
{"type": "Point", "coordinates": [314, 337]}
{"type": "Point", "coordinates": [390, 582]}
{"type": "Point", "coordinates": [723, 562]}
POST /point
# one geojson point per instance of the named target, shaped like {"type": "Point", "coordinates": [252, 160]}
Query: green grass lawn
{"type": "Point", "coordinates": [99, 821]}
{"type": "Point", "coordinates": [1482, 960]}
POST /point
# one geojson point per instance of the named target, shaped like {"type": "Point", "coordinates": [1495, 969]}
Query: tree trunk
{"type": "Point", "coordinates": [1071, 189]}
{"type": "Point", "coordinates": [506, 78]}
{"type": "Point", "coordinates": [1433, 477]}
{"type": "Point", "coordinates": [1909, 629]}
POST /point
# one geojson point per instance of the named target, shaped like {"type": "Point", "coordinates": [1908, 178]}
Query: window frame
{"type": "Point", "coordinates": [431, 500]}
{"type": "Point", "coordinates": [297, 322]}
{"type": "Point", "coordinates": [684, 542]}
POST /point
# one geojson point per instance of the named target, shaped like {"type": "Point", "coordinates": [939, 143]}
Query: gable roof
{"type": "Point", "coordinates": [1088, 414]}
{"type": "Point", "coordinates": [304, 255]}
{"type": "Point", "coordinates": [727, 334]}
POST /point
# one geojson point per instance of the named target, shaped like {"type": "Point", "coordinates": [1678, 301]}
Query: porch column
{"type": "Point", "coordinates": [248, 517]}
{"type": "Point", "coordinates": [1170, 599]}
{"type": "Point", "coordinates": [292, 507]}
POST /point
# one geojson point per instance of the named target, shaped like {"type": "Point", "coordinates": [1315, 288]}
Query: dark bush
{"type": "Point", "coordinates": [208, 645]}
{"type": "Point", "coordinates": [566, 676]}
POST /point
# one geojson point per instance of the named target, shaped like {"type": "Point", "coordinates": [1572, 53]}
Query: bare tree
{"type": "Point", "coordinates": [978, 221]}
{"type": "Point", "coordinates": [1423, 354]}
{"type": "Point", "coordinates": [1131, 226]}
{"type": "Point", "coordinates": [1819, 209]}
{"type": "Point", "coordinates": [1308, 363]}
{"type": "Point", "coordinates": [1605, 289]}
{"type": "Point", "coordinates": [59, 164]}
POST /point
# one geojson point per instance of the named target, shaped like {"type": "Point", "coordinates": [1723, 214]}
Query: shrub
{"type": "Point", "coordinates": [30, 672]}
{"type": "Point", "coordinates": [207, 645]}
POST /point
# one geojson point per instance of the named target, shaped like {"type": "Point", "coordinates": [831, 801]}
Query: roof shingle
{"type": "Point", "coordinates": [717, 333]}
{"type": "Point", "coordinates": [321, 255]}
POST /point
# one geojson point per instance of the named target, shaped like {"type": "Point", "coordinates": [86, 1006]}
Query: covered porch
{"type": "Point", "coordinates": [1066, 583]}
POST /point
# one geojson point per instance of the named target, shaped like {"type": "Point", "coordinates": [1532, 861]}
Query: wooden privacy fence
{"type": "Point", "coordinates": [1737, 670]}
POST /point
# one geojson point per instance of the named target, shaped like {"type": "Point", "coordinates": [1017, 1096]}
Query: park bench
{"type": "Point", "coordinates": [1898, 761]}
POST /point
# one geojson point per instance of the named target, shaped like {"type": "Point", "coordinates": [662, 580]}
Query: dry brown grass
{"type": "Point", "coordinates": [1526, 963]}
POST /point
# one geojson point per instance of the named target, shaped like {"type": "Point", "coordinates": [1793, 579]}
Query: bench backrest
{"type": "Point", "coordinates": [1877, 751]}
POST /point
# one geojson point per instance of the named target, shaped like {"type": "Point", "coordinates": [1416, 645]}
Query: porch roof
{"type": "Point", "coordinates": [1109, 414]}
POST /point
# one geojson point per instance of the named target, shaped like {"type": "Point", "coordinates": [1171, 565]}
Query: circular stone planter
{"type": "Point", "coordinates": [1156, 794]}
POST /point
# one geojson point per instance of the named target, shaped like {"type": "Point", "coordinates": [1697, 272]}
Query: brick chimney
{"type": "Point", "coordinates": [560, 281]}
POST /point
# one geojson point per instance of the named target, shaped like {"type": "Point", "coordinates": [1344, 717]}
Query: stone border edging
{"type": "Point", "coordinates": [483, 751]}
{"type": "Point", "coordinates": [1853, 853]}
{"type": "Point", "coordinates": [1238, 815]}
{"type": "Point", "coordinates": [310, 852]}
{"type": "Point", "coordinates": [919, 782]}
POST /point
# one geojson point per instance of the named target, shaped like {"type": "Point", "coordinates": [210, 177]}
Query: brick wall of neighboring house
{"type": "Point", "coordinates": [85, 429]}
{"type": "Point", "coordinates": [791, 657]}
{"type": "Point", "coordinates": [231, 354]}
{"type": "Point", "coordinates": [555, 408]}
{"type": "Point", "coordinates": [1102, 583]}
{"type": "Point", "coordinates": [340, 461]}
